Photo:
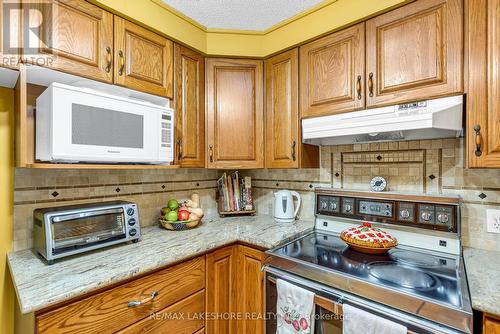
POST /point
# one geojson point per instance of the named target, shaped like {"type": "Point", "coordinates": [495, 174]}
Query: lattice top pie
{"type": "Point", "coordinates": [368, 236]}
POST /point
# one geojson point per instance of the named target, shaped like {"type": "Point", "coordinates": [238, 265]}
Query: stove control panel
{"type": "Point", "coordinates": [375, 208]}
{"type": "Point", "coordinates": [416, 211]}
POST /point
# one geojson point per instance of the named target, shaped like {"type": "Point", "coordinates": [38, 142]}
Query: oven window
{"type": "Point", "coordinates": [104, 127]}
{"type": "Point", "coordinates": [70, 232]}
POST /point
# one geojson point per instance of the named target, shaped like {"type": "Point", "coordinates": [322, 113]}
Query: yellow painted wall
{"type": "Point", "coordinates": [233, 43]}
{"type": "Point", "coordinates": [6, 207]}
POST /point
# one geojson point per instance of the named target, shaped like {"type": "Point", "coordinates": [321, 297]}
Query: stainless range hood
{"type": "Point", "coordinates": [438, 118]}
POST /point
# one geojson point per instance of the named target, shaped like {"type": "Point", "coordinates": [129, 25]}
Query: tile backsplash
{"type": "Point", "coordinates": [150, 189]}
{"type": "Point", "coordinates": [426, 166]}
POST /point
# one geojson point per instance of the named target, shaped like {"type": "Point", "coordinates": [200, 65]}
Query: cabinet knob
{"type": "Point", "coordinates": [477, 130]}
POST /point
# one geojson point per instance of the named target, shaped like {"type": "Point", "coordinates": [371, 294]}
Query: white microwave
{"type": "Point", "coordinates": [76, 124]}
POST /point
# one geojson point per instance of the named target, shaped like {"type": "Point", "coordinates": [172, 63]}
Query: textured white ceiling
{"type": "Point", "coordinates": [241, 14]}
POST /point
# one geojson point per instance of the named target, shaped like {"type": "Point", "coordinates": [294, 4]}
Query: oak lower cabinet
{"type": "Point", "coordinates": [491, 324]}
{"type": "Point", "coordinates": [332, 71]}
{"type": "Point", "coordinates": [80, 36]}
{"type": "Point", "coordinates": [415, 52]}
{"type": "Point", "coordinates": [284, 148]}
{"type": "Point", "coordinates": [235, 289]}
{"type": "Point", "coordinates": [143, 60]}
{"type": "Point", "coordinates": [189, 102]}
{"type": "Point", "coordinates": [235, 113]}
{"type": "Point", "coordinates": [250, 295]}
{"type": "Point", "coordinates": [483, 92]}
{"type": "Point", "coordinates": [180, 288]}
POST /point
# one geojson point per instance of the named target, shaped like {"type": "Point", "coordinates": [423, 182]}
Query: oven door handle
{"type": "Point", "coordinates": [325, 303]}
{"type": "Point", "coordinates": [84, 214]}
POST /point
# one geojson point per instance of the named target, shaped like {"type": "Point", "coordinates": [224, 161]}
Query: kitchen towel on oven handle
{"type": "Point", "coordinates": [357, 321]}
{"type": "Point", "coordinates": [295, 309]}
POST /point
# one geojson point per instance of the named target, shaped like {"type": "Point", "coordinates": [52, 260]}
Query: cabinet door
{"type": "Point", "coordinates": [221, 289]}
{"type": "Point", "coordinates": [483, 96]}
{"type": "Point", "coordinates": [189, 99]}
{"type": "Point", "coordinates": [491, 325]}
{"type": "Point", "coordinates": [415, 52]}
{"type": "Point", "coordinates": [143, 59]}
{"type": "Point", "coordinates": [250, 290]}
{"type": "Point", "coordinates": [235, 133]}
{"type": "Point", "coordinates": [80, 36]}
{"type": "Point", "coordinates": [332, 73]}
{"type": "Point", "coordinates": [282, 112]}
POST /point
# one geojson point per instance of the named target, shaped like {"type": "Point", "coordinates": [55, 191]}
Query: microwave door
{"type": "Point", "coordinates": [99, 128]}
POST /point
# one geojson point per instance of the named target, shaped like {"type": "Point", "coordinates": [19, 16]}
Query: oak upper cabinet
{"type": "Point", "coordinates": [235, 113]}
{"type": "Point", "coordinates": [250, 290]}
{"type": "Point", "coordinates": [332, 73]}
{"type": "Point", "coordinates": [81, 38]}
{"type": "Point", "coordinates": [483, 92]}
{"type": "Point", "coordinates": [415, 52]}
{"type": "Point", "coordinates": [143, 60]}
{"type": "Point", "coordinates": [283, 136]}
{"type": "Point", "coordinates": [491, 324]}
{"type": "Point", "coordinates": [189, 101]}
{"type": "Point", "coordinates": [221, 275]}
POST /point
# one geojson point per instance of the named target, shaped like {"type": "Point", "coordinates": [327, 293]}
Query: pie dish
{"type": "Point", "coordinates": [368, 239]}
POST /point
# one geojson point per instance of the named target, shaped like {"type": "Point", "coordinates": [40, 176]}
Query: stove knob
{"type": "Point", "coordinates": [426, 216]}
{"type": "Point", "coordinates": [443, 218]}
{"type": "Point", "coordinates": [405, 214]}
{"type": "Point", "coordinates": [130, 211]}
{"type": "Point", "coordinates": [347, 208]}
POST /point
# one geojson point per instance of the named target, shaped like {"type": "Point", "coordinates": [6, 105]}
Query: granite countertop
{"type": "Point", "coordinates": [39, 285]}
{"type": "Point", "coordinates": [483, 274]}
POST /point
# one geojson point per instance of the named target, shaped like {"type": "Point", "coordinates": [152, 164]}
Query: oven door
{"type": "Point", "coordinates": [74, 231]}
{"type": "Point", "coordinates": [329, 304]}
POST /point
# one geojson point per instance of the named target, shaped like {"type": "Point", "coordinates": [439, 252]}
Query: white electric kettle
{"type": "Point", "coordinates": [284, 211]}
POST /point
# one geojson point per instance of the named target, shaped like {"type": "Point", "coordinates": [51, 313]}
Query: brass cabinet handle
{"type": "Point", "coordinates": [149, 299]}
{"type": "Point", "coordinates": [477, 130]}
{"type": "Point", "coordinates": [294, 144]}
{"type": "Point", "coordinates": [108, 59]}
{"type": "Point", "coordinates": [211, 153]}
{"type": "Point", "coordinates": [358, 87]}
{"type": "Point", "coordinates": [370, 84]}
{"type": "Point", "coordinates": [122, 62]}
{"type": "Point", "coordinates": [179, 152]}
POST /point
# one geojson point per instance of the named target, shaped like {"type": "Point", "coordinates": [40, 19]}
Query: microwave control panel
{"type": "Point", "coordinates": [427, 215]}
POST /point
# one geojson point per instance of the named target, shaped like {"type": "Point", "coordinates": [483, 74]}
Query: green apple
{"type": "Point", "coordinates": [172, 216]}
{"type": "Point", "coordinates": [173, 204]}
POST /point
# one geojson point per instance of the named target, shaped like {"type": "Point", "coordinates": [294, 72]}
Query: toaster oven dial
{"type": "Point", "coordinates": [132, 232]}
{"type": "Point", "coordinates": [130, 211]}
{"type": "Point", "coordinates": [131, 221]}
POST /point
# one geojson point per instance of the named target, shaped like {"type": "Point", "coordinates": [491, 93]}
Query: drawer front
{"type": "Point", "coordinates": [184, 317]}
{"type": "Point", "coordinates": [108, 312]}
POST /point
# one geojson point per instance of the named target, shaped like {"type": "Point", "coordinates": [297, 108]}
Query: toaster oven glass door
{"type": "Point", "coordinates": [84, 229]}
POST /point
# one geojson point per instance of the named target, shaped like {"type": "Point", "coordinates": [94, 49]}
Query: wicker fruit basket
{"type": "Point", "coordinates": [368, 239]}
{"type": "Point", "coordinates": [179, 225]}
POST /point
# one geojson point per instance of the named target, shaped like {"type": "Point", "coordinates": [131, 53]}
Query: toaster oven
{"type": "Point", "coordinates": [68, 230]}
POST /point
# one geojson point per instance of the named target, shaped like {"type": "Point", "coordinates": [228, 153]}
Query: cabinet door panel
{"type": "Point", "coordinates": [221, 289]}
{"type": "Point", "coordinates": [415, 52]}
{"type": "Point", "coordinates": [332, 71]}
{"type": "Point", "coordinates": [235, 113]}
{"type": "Point", "coordinates": [190, 107]}
{"type": "Point", "coordinates": [143, 59]}
{"type": "Point", "coordinates": [250, 290]}
{"type": "Point", "coordinates": [483, 98]}
{"type": "Point", "coordinates": [80, 36]}
{"type": "Point", "coordinates": [282, 114]}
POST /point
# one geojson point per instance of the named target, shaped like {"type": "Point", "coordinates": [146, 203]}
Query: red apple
{"type": "Point", "coordinates": [183, 215]}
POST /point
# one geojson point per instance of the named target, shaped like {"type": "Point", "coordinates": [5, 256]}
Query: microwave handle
{"type": "Point", "coordinates": [73, 216]}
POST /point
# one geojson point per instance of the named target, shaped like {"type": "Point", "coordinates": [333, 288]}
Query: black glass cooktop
{"type": "Point", "coordinates": [411, 271]}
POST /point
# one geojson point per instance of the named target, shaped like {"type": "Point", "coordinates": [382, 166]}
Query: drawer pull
{"type": "Point", "coordinates": [108, 59]}
{"type": "Point", "coordinates": [135, 303]}
{"type": "Point", "coordinates": [477, 130]}
{"type": "Point", "coordinates": [122, 63]}
{"type": "Point", "coordinates": [370, 84]}
{"type": "Point", "coordinates": [358, 87]}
